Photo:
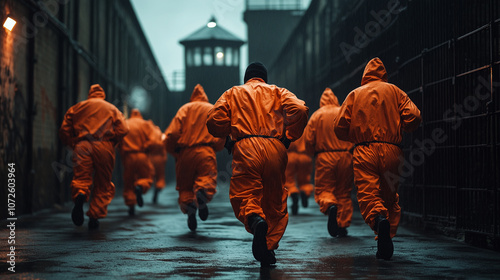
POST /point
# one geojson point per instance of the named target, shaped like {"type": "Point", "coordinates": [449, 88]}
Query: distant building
{"type": "Point", "coordinates": [270, 23]}
{"type": "Point", "coordinates": [212, 59]}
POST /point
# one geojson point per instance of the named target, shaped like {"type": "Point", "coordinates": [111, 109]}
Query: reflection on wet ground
{"type": "Point", "coordinates": [157, 244]}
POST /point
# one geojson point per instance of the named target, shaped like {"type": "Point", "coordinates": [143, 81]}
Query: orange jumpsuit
{"type": "Point", "coordinates": [258, 168]}
{"type": "Point", "coordinates": [137, 168]}
{"type": "Point", "coordinates": [194, 149]}
{"type": "Point", "coordinates": [377, 111]}
{"type": "Point", "coordinates": [299, 168]}
{"type": "Point", "coordinates": [92, 128]}
{"type": "Point", "coordinates": [334, 176]}
{"type": "Point", "coordinates": [158, 157]}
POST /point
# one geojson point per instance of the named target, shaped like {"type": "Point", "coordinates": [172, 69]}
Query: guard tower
{"type": "Point", "coordinates": [269, 24]}
{"type": "Point", "coordinates": [212, 59]}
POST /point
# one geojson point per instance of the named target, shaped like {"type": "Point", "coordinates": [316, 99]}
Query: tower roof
{"type": "Point", "coordinates": [212, 32]}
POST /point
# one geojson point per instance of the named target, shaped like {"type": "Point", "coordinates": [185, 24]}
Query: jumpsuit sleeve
{"type": "Point", "coordinates": [310, 136]}
{"type": "Point", "coordinates": [66, 132]}
{"type": "Point", "coordinates": [173, 133]}
{"type": "Point", "coordinates": [219, 118]}
{"type": "Point", "coordinates": [296, 114]}
{"type": "Point", "coordinates": [218, 144]}
{"type": "Point", "coordinates": [342, 121]}
{"type": "Point", "coordinates": [120, 127]}
{"type": "Point", "coordinates": [410, 114]}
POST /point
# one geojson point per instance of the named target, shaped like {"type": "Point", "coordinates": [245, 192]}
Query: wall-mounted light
{"type": "Point", "coordinates": [220, 55]}
{"type": "Point", "coordinates": [9, 23]}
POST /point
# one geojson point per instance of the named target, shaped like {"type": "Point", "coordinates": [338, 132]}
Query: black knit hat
{"type": "Point", "coordinates": [256, 70]}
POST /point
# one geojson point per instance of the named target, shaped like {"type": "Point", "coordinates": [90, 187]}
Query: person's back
{"type": "Point", "coordinates": [92, 128]}
{"type": "Point", "coordinates": [93, 119]}
{"type": "Point", "coordinates": [262, 119]}
{"type": "Point", "coordinates": [257, 108]}
{"type": "Point", "coordinates": [382, 110]}
{"type": "Point", "coordinates": [141, 132]}
{"type": "Point", "coordinates": [138, 170]}
{"type": "Point", "coordinates": [188, 128]}
{"type": "Point", "coordinates": [323, 138]}
{"type": "Point", "coordinates": [373, 117]}
{"type": "Point", "coordinates": [333, 177]}
{"type": "Point", "coordinates": [188, 140]}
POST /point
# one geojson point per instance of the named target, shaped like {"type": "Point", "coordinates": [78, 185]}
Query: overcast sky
{"type": "Point", "coordinates": [166, 22]}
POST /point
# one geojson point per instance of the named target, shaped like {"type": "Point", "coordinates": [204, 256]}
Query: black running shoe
{"type": "Point", "coordinates": [202, 200]}
{"type": "Point", "coordinates": [385, 248]}
{"type": "Point", "coordinates": [77, 213]}
{"type": "Point", "coordinates": [295, 203]}
{"type": "Point", "coordinates": [138, 194]}
{"type": "Point", "coordinates": [192, 223]}
{"type": "Point", "coordinates": [93, 224]}
{"type": "Point", "coordinates": [131, 210]}
{"type": "Point", "coordinates": [342, 232]}
{"type": "Point", "coordinates": [333, 227]}
{"type": "Point", "coordinates": [305, 199]}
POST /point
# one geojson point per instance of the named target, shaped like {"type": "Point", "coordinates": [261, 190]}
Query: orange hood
{"type": "Point", "coordinates": [328, 98]}
{"type": "Point", "coordinates": [96, 91]}
{"type": "Point", "coordinates": [374, 71]}
{"type": "Point", "coordinates": [199, 94]}
{"type": "Point", "coordinates": [135, 113]}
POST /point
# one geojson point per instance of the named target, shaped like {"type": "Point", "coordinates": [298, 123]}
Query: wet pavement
{"type": "Point", "coordinates": [157, 244]}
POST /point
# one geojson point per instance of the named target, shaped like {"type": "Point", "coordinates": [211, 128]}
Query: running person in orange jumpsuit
{"type": "Point", "coordinates": [257, 115]}
{"type": "Point", "coordinates": [138, 170]}
{"type": "Point", "coordinates": [334, 176]}
{"type": "Point", "coordinates": [158, 157]}
{"type": "Point", "coordinates": [298, 173]}
{"type": "Point", "coordinates": [194, 150]}
{"type": "Point", "coordinates": [373, 117]}
{"type": "Point", "coordinates": [92, 128]}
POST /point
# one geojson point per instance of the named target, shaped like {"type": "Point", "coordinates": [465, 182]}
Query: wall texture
{"type": "Point", "coordinates": [47, 63]}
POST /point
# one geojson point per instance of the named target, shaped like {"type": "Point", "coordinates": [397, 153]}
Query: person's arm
{"type": "Point", "coordinates": [174, 132]}
{"type": "Point", "coordinates": [66, 131]}
{"type": "Point", "coordinates": [296, 114]}
{"type": "Point", "coordinates": [410, 114]}
{"type": "Point", "coordinates": [120, 126]}
{"type": "Point", "coordinates": [310, 136]}
{"type": "Point", "coordinates": [219, 118]}
{"type": "Point", "coordinates": [342, 121]}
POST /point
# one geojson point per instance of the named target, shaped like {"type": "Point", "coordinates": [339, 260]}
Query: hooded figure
{"type": "Point", "coordinates": [138, 171]}
{"type": "Point", "coordinates": [92, 128]}
{"type": "Point", "coordinates": [262, 119]}
{"type": "Point", "coordinates": [334, 177]}
{"type": "Point", "coordinates": [194, 149]}
{"type": "Point", "coordinates": [298, 174]}
{"type": "Point", "coordinates": [373, 117]}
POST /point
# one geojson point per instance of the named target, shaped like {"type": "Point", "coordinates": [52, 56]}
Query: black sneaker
{"type": "Point", "coordinates": [342, 232]}
{"type": "Point", "coordinates": [385, 248]}
{"type": "Point", "coordinates": [93, 224]}
{"type": "Point", "coordinates": [138, 195]}
{"type": "Point", "coordinates": [131, 210]}
{"type": "Point", "coordinates": [77, 213]}
{"type": "Point", "coordinates": [155, 196]}
{"type": "Point", "coordinates": [333, 227]}
{"type": "Point", "coordinates": [202, 200]}
{"type": "Point", "coordinates": [295, 203]}
{"type": "Point", "coordinates": [305, 199]}
{"type": "Point", "coordinates": [192, 223]}
{"type": "Point", "coordinates": [259, 243]}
